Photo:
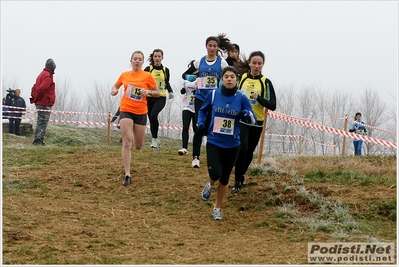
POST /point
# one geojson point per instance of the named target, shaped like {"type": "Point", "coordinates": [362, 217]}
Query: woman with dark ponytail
{"type": "Point", "coordinates": [209, 74]}
{"type": "Point", "coordinates": [161, 75]}
{"type": "Point", "coordinates": [226, 107]}
{"type": "Point", "coordinates": [260, 93]}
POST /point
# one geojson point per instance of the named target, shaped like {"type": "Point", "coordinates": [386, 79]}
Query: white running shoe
{"type": "Point", "coordinates": [182, 152]}
{"type": "Point", "coordinates": [195, 163]}
{"type": "Point", "coordinates": [155, 143]}
{"type": "Point", "coordinates": [216, 214]}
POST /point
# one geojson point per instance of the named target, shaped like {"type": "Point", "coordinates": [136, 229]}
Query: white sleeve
{"type": "Point", "coordinates": [224, 63]}
{"type": "Point", "coordinates": [196, 63]}
{"type": "Point", "coordinates": [190, 85]}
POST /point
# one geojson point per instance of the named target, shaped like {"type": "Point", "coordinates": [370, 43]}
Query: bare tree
{"type": "Point", "coordinates": [373, 111]}
{"type": "Point", "coordinates": [339, 105]}
{"type": "Point", "coordinates": [13, 85]}
{"type": "Point", "coordinates": [99, 100]}
{"type": "Point", "coordinates": [286, 103]}
{"type": "Point", "coordinates": [306, 110]}
{"type": "Point", "coordinates": [67, 101]}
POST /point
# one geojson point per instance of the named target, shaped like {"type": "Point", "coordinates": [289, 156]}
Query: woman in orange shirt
{"type": "Point", "coordinates": [137, 85]}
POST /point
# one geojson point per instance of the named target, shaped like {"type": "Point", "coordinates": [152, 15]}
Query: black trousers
{"type": "Point", "coordinates": [249, 137]}
{"type": "Point", "coordinates": [197, 139]}
{"type": "Point", "coordinates": [188, 117]}
{"type": "Point", "coordinates": [14, 126]}
{"type": "Point", "coordinates": [155, 106]}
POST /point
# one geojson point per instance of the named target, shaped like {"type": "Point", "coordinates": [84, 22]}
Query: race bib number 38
{"type": "Point", "coordinates": [223, 125]}
{"type": "Point", "coordinates": [133, 93]}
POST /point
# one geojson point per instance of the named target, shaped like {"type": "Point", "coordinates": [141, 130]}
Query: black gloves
{"type": "Point", "coordinates": [202, 129]}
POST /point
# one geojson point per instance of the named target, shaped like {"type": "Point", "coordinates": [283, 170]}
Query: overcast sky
{"type": "Point", "coordinates": [333, 45]}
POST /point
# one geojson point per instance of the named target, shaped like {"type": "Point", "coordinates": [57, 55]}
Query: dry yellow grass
{"type": "Point", "coordinates": [67, 205]}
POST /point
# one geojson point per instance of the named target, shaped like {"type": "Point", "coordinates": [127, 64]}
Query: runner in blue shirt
{"type": "Point", "coordinates": [209, 70]}
{"type": "Point", "coordinates": [225, 107]}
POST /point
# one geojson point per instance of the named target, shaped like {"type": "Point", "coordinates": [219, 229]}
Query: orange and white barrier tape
{"type": "Point", "coordinates": [365, 138]}
{"type": "Point", "coordinates": [297, 136]}
{"type": "Point", "coordinates": [284, 135]}
{"type": "Point", "coordinates": [173, 126]}
{"type": "Point", "coordinates": [273, 114]}
{"type": "Point", "coordinates": [315, 142]}
{"type": "Point", "coordinates": [376, 128]}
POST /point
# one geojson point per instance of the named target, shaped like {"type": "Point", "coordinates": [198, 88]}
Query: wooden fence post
{"type": "Point", "coordinates": [109, 129]}
{"type": "Point", "coordinates": [262, 137]}
{"type": "Point", "coordinates": [344, 140]}
{"type": "Point", "coordinates": [300, 145]}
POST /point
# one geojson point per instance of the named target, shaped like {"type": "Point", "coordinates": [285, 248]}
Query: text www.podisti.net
{"type": "Point", "coordinates": [366, 253]}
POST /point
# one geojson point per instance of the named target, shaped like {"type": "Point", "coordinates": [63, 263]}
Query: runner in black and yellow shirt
{"type": "Point", "coordinates": [260, 93]}
{"type": "Point", "coordinates": [161, 75]}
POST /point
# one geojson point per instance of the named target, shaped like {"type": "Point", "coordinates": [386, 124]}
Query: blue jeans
{"type": "Point", "coordinates": [358, 147]}
{"type": "Point", "coordinates": [42, 121]}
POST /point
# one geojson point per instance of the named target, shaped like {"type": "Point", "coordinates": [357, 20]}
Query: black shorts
{"type": "Point", "coordinates": [137, 119]}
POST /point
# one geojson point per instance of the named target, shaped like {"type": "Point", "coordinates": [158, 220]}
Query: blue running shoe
{"type": "Point", "coordinates": [206, 192]}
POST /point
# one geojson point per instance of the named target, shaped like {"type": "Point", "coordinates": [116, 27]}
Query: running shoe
{"type": "Point", "coordinates": [216, 214]}
{"type": "Point", "coordinates": [182, 152]}
{"type": "Point", "coordinates": [195, 163]}
{"type": "Point", "coordinates": [155, 143]}
{"type": "Point", "coordinates": [127, 180]}
{"type": "Point", "coordinates": [206, 192]}
{"type": "Point", "coordinates": [236, 188]}
{"type": "Point", "coordinates": [244, 183]}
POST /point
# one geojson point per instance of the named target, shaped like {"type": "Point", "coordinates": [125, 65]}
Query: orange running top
{"type": "Point", "coordinates": [132, 82]}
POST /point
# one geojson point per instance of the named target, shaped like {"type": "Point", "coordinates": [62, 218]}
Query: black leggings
{"type": "Point", "coordinates": [155, 106]}
{"type": "Point", "coordinates": [197, 139]}
{"type": "Point", "coordinates": [221, 162]}
{"type": "Point", "coordinates": [249, 137]}
{"type": "Point", "coordinates": [188, 117]}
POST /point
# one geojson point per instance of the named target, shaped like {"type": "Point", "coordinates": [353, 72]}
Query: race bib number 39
{"type": "Point", "coordinates": [133, 93]}
{"type": "Point", "coordinates": [248, 93]}
{"type": "Point", "coordinates": [208, 82]}
{"type": "Point", "coordinates": [223, 125]}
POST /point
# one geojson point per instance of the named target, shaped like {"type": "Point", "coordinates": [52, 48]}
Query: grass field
{"type": "Point", "coordinates": [64, 203]}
